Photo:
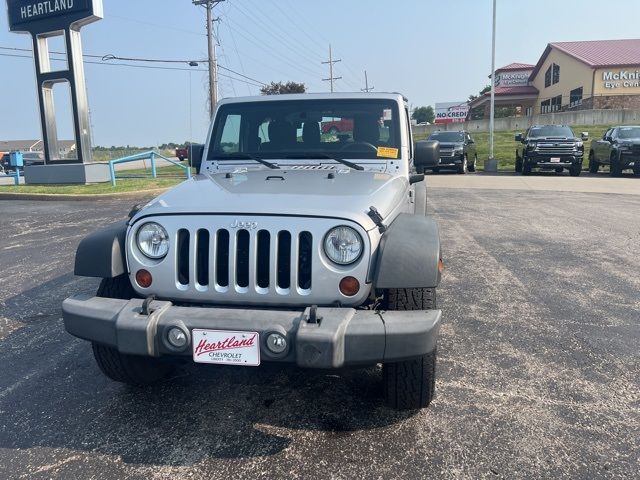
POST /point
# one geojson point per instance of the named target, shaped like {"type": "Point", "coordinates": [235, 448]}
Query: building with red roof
{"type": "Point", "coordinates": [600, 74]}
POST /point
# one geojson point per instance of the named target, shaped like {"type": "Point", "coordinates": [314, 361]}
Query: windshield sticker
{"type": "Point", "coordinates": [387, 152]}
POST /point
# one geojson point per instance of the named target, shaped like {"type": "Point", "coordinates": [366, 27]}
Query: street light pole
{"type": "Point", "coordinates": [492, 163]}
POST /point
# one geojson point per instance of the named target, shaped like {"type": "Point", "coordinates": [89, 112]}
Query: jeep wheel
{"type": "Point", "coordinates": [615, 170]}
{"type": "Point", "coordinates": [472, 167]}
{"type": "Point", "coordinates": [462, 168]}
{"type": "Point", "coordinates": [410, 384]}
{"type": "Point", "coordinates": [117, 287]}
{"type": "Point", "coordinates": [526, 167]}
{"type": "Point", "coordinates": [129, 369]}
{"type": "Point", "coordinates": [594, 166]}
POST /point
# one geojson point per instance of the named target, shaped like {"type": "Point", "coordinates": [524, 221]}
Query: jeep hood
{"type": "Point", "coordinates": [338, 193]}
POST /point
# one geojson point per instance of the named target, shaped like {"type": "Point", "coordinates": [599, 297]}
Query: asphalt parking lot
{"type": "Point", "coordinates": [538, 372]}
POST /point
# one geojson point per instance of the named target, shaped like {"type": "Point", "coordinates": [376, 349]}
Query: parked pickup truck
{"type": "Point", "coordinates": [292, 250]}
{"type": "Point", "coordinates": [457, 151]}
{"type": "Point", "coordinates": [550, 147]}
{"type": "Point", "coordinates": [619, 148]}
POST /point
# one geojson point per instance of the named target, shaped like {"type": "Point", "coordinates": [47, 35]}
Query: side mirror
{"type": "Point", "coordinates": [607, 138]}
{"type": "Point", "coordinates": [584, 136]}
{"type": "Point", "coordinates": [518, 137]}
{"type": "Point", "coordinates": [416, 178]}
{"type": "Point", "coordinates": [426, 154]}
{"type": "Point", "coordinates": [471, 141]}
{"type": "Point", "coordinates": [195, 155]}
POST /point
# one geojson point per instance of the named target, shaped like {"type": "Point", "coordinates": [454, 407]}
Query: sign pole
{"type": "Point", "coordinates": [492, 163]}
{"type": "Point", "coordinates": [44, 20]}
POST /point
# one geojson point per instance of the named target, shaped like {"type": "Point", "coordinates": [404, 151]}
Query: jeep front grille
{"type": "Point", "coordinates": [243, 258]}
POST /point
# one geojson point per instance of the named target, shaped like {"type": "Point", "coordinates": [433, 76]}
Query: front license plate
{"type": "Point", "coordinates": [227, 347]}
{"type": "Point", "coordinates": [555, 159]}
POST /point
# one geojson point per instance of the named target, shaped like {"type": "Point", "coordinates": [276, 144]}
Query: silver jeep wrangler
{"type": "Point", "coordinates": [290, 245]}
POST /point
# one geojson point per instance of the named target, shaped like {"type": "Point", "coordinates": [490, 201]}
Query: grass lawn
{"type": "Point", "coordinates": [167, 177]}
{"type": "Point", "coordinates": [505, 145]}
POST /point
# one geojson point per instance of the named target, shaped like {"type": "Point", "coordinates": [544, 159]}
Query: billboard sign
{"type": "Point", "coordinates": [43, 16]}
{"type": "Point", "coordinates": [451, 112]}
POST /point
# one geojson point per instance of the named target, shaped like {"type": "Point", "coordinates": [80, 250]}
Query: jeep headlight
{"type": "Point", "coordinates": [153, 240]}
{"type": "Point", "coordinates": [458, 150]}
{"type": "Point", "coordinates": [579, 144]}
{"type": "Point", "coordinates": [343, 245]}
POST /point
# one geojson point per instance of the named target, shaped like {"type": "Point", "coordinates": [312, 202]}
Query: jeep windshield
{"type": "Point", "coordinates": [551, 131]}
{"type": "Point", "coordinates": [447, 137]}
{"type": "Point", "coordinates": [333, 129]}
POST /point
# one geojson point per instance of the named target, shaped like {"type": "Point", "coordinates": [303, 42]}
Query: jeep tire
{"type": "Point", "coordinates": [526, 167]}
{"type": "Point", "coordinates": [130, 369]}
{"type": "Point", "coordinates": [410, 384]}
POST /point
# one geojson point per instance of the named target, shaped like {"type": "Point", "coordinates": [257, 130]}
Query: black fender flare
{"type": "Point", "coordinates": [409, 254]}
{"type": "Point", "coordinates": [102, 253]}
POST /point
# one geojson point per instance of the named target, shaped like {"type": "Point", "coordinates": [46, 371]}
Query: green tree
{"type": "Point", "coordinates": [423, 114]}
{"type": "Point", "coordinates": [280, 88]}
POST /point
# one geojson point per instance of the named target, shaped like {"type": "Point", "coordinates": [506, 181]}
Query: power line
{"type": "Point", "coordinates": [330, 63]}
{"type": "Point", "coordinates": [109, 57]}
{"type": "Point", "coordinates": [152, 67]}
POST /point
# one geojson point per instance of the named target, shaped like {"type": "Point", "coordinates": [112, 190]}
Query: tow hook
{"type": "Point", "coordinates": [313, 315]}
{"type": "Point", "coordinates": [146, 310]}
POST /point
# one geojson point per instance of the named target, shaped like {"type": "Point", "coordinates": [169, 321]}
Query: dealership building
{"type": "Point", "coordinates": [602, 74]}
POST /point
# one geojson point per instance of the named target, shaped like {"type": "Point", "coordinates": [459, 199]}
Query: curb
{"type": "Point", "coordinates": [80, 197]}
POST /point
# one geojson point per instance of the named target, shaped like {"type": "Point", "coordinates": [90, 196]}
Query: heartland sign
{"type": "Point", "coordinates": [42, 20]}
{"type": "Point", "coordinates": [51, 15]}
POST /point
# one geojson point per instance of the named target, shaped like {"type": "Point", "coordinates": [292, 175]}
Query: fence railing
{"type": "Point", "coordinates": [152, 156]}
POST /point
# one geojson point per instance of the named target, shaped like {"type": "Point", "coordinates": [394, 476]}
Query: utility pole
{"type": "Point", "coordinates": [366, 88]}
{"type": "Point", "coordinates": [211, 42]}
{"type": "Point", "coordinates": [331, 62]}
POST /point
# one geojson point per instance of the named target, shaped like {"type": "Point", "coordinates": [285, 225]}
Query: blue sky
{"type": "Point", "coordinates": [429, 50]}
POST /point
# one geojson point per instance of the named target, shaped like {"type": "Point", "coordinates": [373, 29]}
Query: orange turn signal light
{"type": "Point", "coordinates": [440, 266]}
{"type": "Point", "coordinates": [349, 286]}
{"type": "Point", "coordinates": [143, 278]}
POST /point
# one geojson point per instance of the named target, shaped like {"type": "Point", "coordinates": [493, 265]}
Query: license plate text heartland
{"type": "Point", "coordinates": [228, 343]}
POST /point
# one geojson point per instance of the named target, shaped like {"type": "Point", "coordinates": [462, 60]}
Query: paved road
{"type": "Point", "coordinates": [538, 367]}
{"type": "Point", "coordinates": [539, 181]}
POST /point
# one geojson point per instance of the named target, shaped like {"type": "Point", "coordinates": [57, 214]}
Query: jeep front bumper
{"type": "Point", "coordinates": [341, 337]}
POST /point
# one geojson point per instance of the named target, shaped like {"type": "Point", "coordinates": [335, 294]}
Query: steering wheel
{"type": "Point", "coordinates": [353, 146]}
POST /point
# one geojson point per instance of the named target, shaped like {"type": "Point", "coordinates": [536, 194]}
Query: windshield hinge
{"type": "Point", "coordinates": [377, 219]}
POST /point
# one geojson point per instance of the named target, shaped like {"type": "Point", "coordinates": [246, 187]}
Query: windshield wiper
{"type": "Point", "coordinates": [347, 163]}
{"type": "Point", "coordinates": [246, 156]}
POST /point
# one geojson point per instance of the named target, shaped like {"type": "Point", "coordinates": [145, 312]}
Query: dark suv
{"type": "Point", "coordinates": [457, 150]}
{"type": "Point", "coordinates": [550, 147]}
{"type": "Point", "coordinates": [619, 148]}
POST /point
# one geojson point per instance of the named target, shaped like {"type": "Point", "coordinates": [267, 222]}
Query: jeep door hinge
{"type": "Point", "coordinates": [377, 219]}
